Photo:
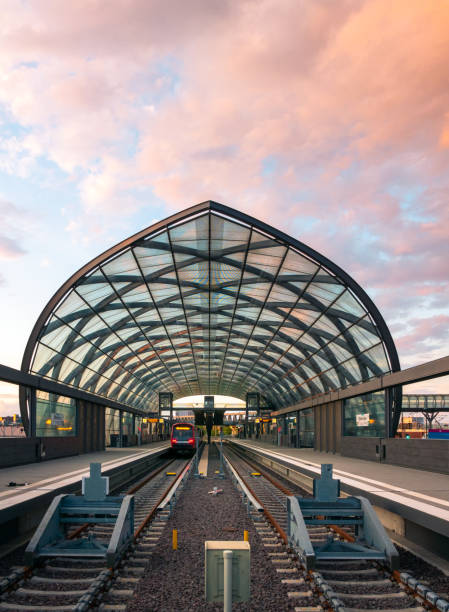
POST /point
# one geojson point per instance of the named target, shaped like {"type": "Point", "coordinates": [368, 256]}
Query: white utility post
{"type": "Point", "coordinates": [227, 581]}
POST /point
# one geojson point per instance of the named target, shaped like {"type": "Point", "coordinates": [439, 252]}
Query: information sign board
{"type": "Point", "coordinates": [362, 420]}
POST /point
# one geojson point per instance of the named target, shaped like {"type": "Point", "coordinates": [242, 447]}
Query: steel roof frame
{"type": "Point", "coordinates": [254, 373]}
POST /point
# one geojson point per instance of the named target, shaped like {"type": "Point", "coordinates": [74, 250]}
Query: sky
{"type": "Point", "coordinates": [329, 121]}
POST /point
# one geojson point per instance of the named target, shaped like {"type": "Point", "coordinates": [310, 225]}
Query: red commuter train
{"type": "Point", "coordinates": [182, 437]}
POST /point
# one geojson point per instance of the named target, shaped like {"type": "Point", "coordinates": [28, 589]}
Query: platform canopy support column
{"type": "Point", "coordinates": [166, 404]}
{"type": "Point", "coordinates": [32, 408]}
{"type": "Point", "coordinates": [120, 435]}
{"type": "Point", "coordinates": [209, 409]}
{"type": "Point", "coordinates": [298, 445]}
{"type": "Point", "coordinates": [253, 404]}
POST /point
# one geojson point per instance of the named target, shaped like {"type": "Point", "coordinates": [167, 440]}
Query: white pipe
{"type": "Point", "coordinates": [227, 581]}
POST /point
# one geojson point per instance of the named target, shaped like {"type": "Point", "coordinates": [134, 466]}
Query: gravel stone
{"type": "Point", "coordinates": [174, 580]}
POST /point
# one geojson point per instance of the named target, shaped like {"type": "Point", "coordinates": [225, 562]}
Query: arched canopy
{"type": "Point", "coordinates": [210, 301]}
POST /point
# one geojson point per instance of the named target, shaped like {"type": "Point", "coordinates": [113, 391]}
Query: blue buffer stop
{"type": "Point", "coordinates": [93, 507]}
{"type": "Point", "coordinates": [327, 508]}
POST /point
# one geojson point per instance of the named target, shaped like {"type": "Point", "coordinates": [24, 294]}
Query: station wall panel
{"type": "Point", "coordinates": [416, 453]}
{"type": "Point", "coordinates": [328, 427]}
{"type": "Point", "coordinates": [91, 427]}
{"type": "Point", "coordinates": [432, 455]}
{"type": "Point", "coordinates": [361, 447]}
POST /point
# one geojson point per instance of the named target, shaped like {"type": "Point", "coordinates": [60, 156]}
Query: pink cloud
{"type": "Point", "coordinates": [424, 337]}
{"type": "Point", "coordinates": [9, 249]}
{"type": "Point", "coordinates": [189, 100]}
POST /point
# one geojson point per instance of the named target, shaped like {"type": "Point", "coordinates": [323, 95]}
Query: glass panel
{"type": "Point", "coordinates": [257, 291]}
{"type": "Point", "coordinates": [332, 375]}
{"type": "Point", "coordinates": [341, 354]}
{"type": "Point", "coordinates": [56, 416]}
{"type": "Point", "coordinates": [351, 371]}
{"type": "Point", "coordinates": [378, 357]}
{"type": "Point", "coordinates": [295, 264]}
{"type": "Point", "coordinates": [59, 334]}
{"type": "Point", "coordinates": [151, 258]}
{"type": "Point", "coordinates": [192, 235]}
{"type": "Point", "coordinates": [122, 265]}
{"type": "Point", "coordinates": [325, 324]}
{"type": "Point", "coordinates": [41, 362]}
{"type": "Point", "coordinates": [304, 316]}
{"type": "Point", "coordinates": [68, 369]}
{"type": "Point", "coordinates": [363, 338]}
{"type": "Point", "coordinates": [80, 352]}
{"type": "Point", "coordinates": [94, 293]}
{"type": "Point", "coordinates": [280, 294]}
{"type": "Point", "coordinates": [264, 254]}
{"type": "Point", "coordinates": [306, 428]}
{"type": "Point", "coordinates": [112, 317]}
{"type": "Point", "coordinates": [348, 303]}
{"type": "Point", "coordinates": [225, 232]}
{"type": "Point", "coordinates": [365, 415]}
{"type": "Point", "coordinates": [71, 304]}
{"type": "Point", "coordinates": [309, 343]}
{"type": "Point", "coordinates": [224, 274]}
{"type": "Point", "coordinates": [323, 292]}
{"type": "Point", "coordinates": [112, 426]}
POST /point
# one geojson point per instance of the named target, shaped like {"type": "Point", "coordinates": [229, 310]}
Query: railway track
{"type": "Point", "coordinates": [351, 586]}
{"type": "Point", "coordinates": [76, 585]}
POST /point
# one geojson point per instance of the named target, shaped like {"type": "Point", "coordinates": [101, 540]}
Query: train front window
{"type": "Point", "coordinates": [183, 434]}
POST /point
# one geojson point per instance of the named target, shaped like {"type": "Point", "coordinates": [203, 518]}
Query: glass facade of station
{"type": "Point", "coordinates": [112, 427]}
{"type": "Point", "coordinates": [306, 428]}
{"type": "Point", "coordinates": [56, 415]}
{"type": "Point", "coordinates": [213, 302]}
{"type": "Point", "coordinates": [365, 415]}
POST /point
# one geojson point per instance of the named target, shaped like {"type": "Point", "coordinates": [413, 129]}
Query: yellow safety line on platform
{"type": "Point", "coordinates": [202, 468]}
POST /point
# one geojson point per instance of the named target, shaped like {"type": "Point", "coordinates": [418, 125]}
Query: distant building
{"type": "Point", "coordinates": [411, 427]}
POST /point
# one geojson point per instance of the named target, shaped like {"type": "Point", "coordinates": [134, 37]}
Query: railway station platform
{"type": "Point", "coordinates": [412, 504]}
{"type": "Point", "coordinates": [23, 505]}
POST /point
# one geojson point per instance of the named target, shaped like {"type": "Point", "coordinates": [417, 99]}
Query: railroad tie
{"type": "Point", "coordinates": [120, 593]}
{"type": "Point", "coordinates": [15, 607]}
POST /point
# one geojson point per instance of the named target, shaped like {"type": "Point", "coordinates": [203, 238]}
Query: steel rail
{"type": "Point", "coordinates": [178, 482]}
{"type": "Point", "coordinates": [265, 510]}
{"type": "Point", "coordinates": [9, 583]}
{"type": "Point", "coordinates": [253, 500]}
{"type": "Point", "coordinates": [341, 532]}
{"type": "Point", "coordinates": [421, 592]}
{"type": "Point", "coordinates": [156, 508]}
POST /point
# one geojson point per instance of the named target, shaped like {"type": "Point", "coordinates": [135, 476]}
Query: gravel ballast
{"type": "Point", "coordinates": [174, 580]}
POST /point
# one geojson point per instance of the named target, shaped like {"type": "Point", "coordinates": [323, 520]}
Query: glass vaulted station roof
{"type": "Point", "coordinates": [210, 301]}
